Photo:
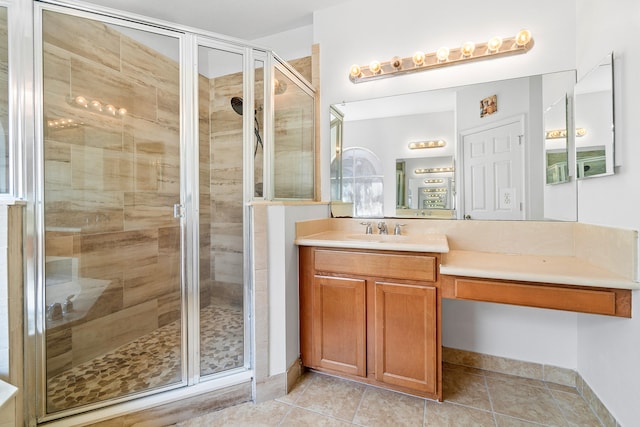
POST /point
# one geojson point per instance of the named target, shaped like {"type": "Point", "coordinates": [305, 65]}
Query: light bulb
{"type": "Point", "coordinates": [355, 71]}
{"type": "Point", "coordinates": [122, 111]}
{"type": "Point", "coordinates": [96, 105]}
{"type": "Point", "coordinates": [81, 100]}
{"type": "Point", "coordinates": [494, 44]}
{"type": "Point", "coordinates": [111, 109]}
{"type": "Point", "coordinates": [396, 62]}
{"type": "Point", "coordinates": [442, 54]}
{"type": "Point", "coordinates": [523, 38]}
{"type": "Point", "coordinates": [418, 58]}
{"type": "Point", "coordinates": [467, 49]}
{"type": "Point", "coordinates": [375, 67]}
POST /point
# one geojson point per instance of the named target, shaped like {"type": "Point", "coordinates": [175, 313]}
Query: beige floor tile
{"type": "Point", "coordinates": [248, 414]}
{"type": "Point", "coordinates": [465, 389]}
{"type": "Point", "coordinates": [575, 409]}
{"type": "Point", "coordinates": [301, 418]}
{"type": "Point", "coordinates": [381, 407]}
{"type": "Point", "coordinates": [504, 421]}
{"type": "Point", "coordinates": [524, 402]}
{"type": "Point", "coordinates": [452, 415]}
{"type": "Point", "coordinates": [332, 396]}
{"type": "Point", "coordinates": [299, 388]}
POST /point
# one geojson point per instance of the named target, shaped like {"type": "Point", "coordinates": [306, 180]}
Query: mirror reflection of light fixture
{"type": "Point", "coordinates": [63, 124]}
{"type": "Point", "coordinates": [433, 170]}
{"type": "Point", "coordinates": [469, 51]}
{"type": "Point", "coordinates": [97, 106]}
{"type": "Point", "coordinates": [427, 144]}
{"type": "Point", "coordinates": [434, 190]}
{"type": "Point", "coordinates": [562, 133]}
{"type": "Point", "coordinates": [434, 181]}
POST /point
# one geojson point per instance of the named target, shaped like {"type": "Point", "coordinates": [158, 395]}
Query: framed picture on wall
{"type": "Point", "coordinates": [489, 105]}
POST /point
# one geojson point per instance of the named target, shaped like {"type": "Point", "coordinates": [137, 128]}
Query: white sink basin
{"type": "Point", "coordinates": [379, 238]}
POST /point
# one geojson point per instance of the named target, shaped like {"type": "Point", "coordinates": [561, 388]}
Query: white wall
{"type": "Point", "coordinates": [292, 44]}
{"type": "Point", "coordinates": [359, 31]}
{"type": "Point", "coordinates": [609, 349]}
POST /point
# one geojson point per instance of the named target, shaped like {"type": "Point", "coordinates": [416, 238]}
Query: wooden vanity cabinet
{"type": "Point", "coordinates": [372, 316]}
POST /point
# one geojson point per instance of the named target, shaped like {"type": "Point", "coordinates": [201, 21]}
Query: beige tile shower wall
{"type": "Point", "coordinates": [204, 103]}
{"type": "Point", "coordinates": [111, 182]}
{"type": "Point", "coordinates": [226, 191]}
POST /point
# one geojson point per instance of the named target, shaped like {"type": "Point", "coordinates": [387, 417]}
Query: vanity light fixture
{"type": "Point", "coordinates": [433, 170]}
{"type": "Point", "coordinates": [420, 61]}
{"type": "Point", "coordinates": [427, 144]}
{"type": "Point", "coordinates": [434, 190]}
{"type": "Point", "coordinates": [562, 133]}
{"type": "Point", "coordinates": [433, 181]}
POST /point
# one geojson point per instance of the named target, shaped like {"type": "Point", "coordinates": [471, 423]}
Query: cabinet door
{"type": "Point", "coordinates": [406, 336]}
{"type": "Point", "coordinates": [339, 324]}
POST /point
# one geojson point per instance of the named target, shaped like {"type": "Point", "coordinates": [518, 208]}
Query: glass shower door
{"type": "Point", "coordinates": [221, 206]}
{"type": "Point", "coordinates": [111, 154]}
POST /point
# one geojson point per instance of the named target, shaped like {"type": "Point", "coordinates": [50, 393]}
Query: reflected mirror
{"type": "Point", "coordinates": [556, 153]}
{"type": "Point", "coordinates": [403, 133]}
{"type": "Point", "coordinates": [594, 121]}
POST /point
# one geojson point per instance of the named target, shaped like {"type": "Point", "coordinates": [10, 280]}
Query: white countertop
{"type": "Point", "coordinates": [565, 270]}
{"type": "Point", "coordinates": [426, 242]}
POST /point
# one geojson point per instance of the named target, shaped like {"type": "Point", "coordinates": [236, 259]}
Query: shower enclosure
{"type": "Point", "coordinates": [146, 174]}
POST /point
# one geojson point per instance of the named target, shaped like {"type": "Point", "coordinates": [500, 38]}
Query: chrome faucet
{"type": "Point", "coordinates": [54, 311]}
{"type": "Point", "coordinates": [382, 226]}
{"type": "Point", "coordinates": [369, 230]}
{"type": "Point", "coordinates": [396, 229]}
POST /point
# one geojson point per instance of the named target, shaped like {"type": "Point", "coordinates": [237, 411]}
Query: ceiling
{"type": "Point", "coordinates": [244, 19]}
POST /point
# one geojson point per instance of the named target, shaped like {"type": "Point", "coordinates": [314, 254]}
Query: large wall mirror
{"type": "Point", "coordinates": [594, 121]}
{"type": "Point", "coordinates": [471, 152]}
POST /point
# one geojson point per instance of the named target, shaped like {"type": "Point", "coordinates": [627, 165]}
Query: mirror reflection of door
{"type": "Point", "coordinates": [493, 173]}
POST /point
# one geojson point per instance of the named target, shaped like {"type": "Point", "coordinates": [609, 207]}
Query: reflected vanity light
{"type": "Point", "coordinates": [420, 61]}
{"type": "Point", "coordinates": [433, 170]}
{"type": "Point", "coordinates": [97, 106]}
{"type": "Point", "coordinates": [63, 124]}
{"type": "Point", "coordinates": [562, 133]}
{"type": "Point", "coordinates": [434, 181]}
{"type": "Point", "coordinates": [427, 144]}
{"type": "Point", "coordinates": [434, 190]}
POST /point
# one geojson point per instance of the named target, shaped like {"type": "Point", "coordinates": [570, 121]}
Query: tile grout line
{"type": "Point", "coordinates": [557, 403]}
{"type": "Point", "coordinates": [493, 412]}
{"type": "Point", "coordinates": [355, 414]}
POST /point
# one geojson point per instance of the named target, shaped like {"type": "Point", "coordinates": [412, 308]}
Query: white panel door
{"type": "Point", "coordinates": [493, 173]}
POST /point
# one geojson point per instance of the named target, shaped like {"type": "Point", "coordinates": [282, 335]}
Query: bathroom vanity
{"type": "Point", "coordinates": [370, 305]}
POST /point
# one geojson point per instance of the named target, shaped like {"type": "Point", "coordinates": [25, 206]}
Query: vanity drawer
{"type": "Point", "coordinates": [612, 302]}
{"type": "Point", "coordinates": [399, 266]}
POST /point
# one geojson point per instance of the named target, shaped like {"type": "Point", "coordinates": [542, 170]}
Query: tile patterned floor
{"type": "Point", "coordinates": [472, 397]}
{"type": "Point", "coordinates": [151, 361]}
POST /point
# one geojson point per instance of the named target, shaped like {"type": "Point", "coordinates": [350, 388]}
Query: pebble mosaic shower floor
{"type": "Point", "coordinates": [151, 361]}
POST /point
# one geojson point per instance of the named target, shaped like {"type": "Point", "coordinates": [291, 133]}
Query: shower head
{"type": "Point", "coordinates": [236, 104]}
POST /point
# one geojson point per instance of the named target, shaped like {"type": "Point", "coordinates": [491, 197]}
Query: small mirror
{"type": "Point", "coordinates": [594, 121]}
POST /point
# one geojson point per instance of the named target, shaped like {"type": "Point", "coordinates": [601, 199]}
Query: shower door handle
{"type": "Point", "coordinates": [178, 211]}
